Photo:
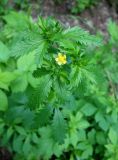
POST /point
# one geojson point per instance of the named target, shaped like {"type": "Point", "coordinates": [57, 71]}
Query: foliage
{"type": "Point", "coordinates": [6, 6]}
{"type": "Point", "coordinates": [77, 6]}
{"type": "Point", "coordinates": [81, 5]}
{"type": "Point", "coordinates": [47, 110]}
{"type": "Point", "coordinates": [2, 6]}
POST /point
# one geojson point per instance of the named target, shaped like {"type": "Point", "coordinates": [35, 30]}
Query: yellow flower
{"type": "Point", "coordinates": [61, 59]}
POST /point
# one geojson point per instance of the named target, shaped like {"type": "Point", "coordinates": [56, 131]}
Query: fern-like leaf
{"type": "Point", "coordinates": [79, 35]}
{"type": "Point", "coordinates": [40, 93]}
{"type": "Point", "coordinates": [26, 43]}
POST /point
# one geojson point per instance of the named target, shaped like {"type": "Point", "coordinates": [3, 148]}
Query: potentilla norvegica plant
{"type": "Point", "coordinates": [54, 99]}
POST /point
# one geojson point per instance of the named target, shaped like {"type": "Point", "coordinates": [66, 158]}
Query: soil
{"type": "Point", "coordinates": [92, 19]}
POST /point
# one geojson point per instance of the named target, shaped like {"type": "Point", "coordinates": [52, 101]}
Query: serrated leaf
{"type": "Point", "coordinates": [40, 93]}
{"type": "Point", "coordinates": [27, 62]}
{"type": "Point", "coordinates": [75, 76]}
{"type": "Point", "coordinates": [59, 126]}
{"type": "Point", "coordinates": [79, 35]}
{"type": "Point", "coordinates": [61, 90]}
{"type": "Point", "coordinates": [47, 141]}
{"type": "Point", "coordinates": [44, 112]}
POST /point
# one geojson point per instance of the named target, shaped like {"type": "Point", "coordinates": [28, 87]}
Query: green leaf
{"type": "Point", "coordinates": [20, 114]}
{"type": "Point", "coordinates": [87, 152]}
{"type": "Point", "coordinates": [82, 36]}
{"type": "Point", "coordinates": [32, 80]}
{"type": "Point", "coordinates": [113, 136]}
{"type": "Point", "coordinates": [4, 52]}
{"type": "Point", "coordinates": [61, 90]}
{"type": "Point", "coordinates": [20, 130]}
{"type": "Point", "coordinates": [66, 43]}
{"type": "Point", "coordinates": [78, 74]}
{"type": "Point", "coordinates": [73, 138]}
{"type": "Point", "coordinates": [41, 51]}
{"type": "Point", "coordinates": [19, 21]}
{"type": "Point", "coordinates": [2, 125]}
{"type": "Point", "coordinates": [101, 138]}
{"type": "Point", "coordinates": [83, 124]}
{"type": "Point", "coordinates": [88, 109]}
{"type": "Point", "coordinates": [3, 101]}
{"type": "Point", "coordinates": [18, 143]}
{"type": "Point", "coordinates": [114, 116]}
{"type": "Point", "coordinates": [30, 41]}
{"type": "Point", "coordinates": [81, 135]}
{"type": "Point", "coordinates": [27, 146]}
{"type": "Point", "coordinates": [41, 92]}
{"type": "Point", "coordinates": [10, 132]}
{"type": "Point", "coordinates": [113, 30]}
{"type": "Point", "coordinates": [5, 79]}
{"type": "Point", "coordinates": [35, 138]}
{"type": "Point", "coordinates": [47, 141]}
{"type": "Point", "coordinates": [43, 144]}
{"type": "Point", "coordinates": [59, 126]}
{"type": "Point", "coordinates": [20, 84]}
{"type": "Point", "coordinates": [44, 112]}
{"type": "Point", "coordinates": [103, 123]}
{"type": "Point", "coordinates": [91, 136]}
{"type": "Point", "coordinates": [27, 62]}
{"type": "Point", "coordinates": [86, 148]}
{"type": "Point", "coordinates": [75, 76]}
